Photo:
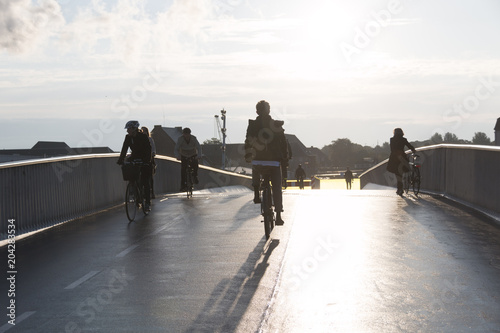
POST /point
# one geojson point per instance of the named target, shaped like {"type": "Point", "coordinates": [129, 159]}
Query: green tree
{"type": "Point", "coordinates": [450, 138]}
{"type": "Point", "coordinates": [481, 138]}
{"type": "Point", "coordinates": [342, 152]}
{"type": "Point", "coordinates": [436, 139]}
{"type": "Point", "coordinates": [212, 141]}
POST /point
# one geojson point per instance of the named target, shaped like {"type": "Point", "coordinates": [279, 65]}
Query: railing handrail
{"type": "Point", "coordinates": [468, 173]}
{"type": "Point", "coordinates": [460, 146]}
{"type": "Point", "coordinates": [40, 193]}
{"type": "Point", "coordinates": [439, 146]}
{"type": "Point", "coordinates": [106, 155]}
{"type": "Point", "coordinates": [54, 159]}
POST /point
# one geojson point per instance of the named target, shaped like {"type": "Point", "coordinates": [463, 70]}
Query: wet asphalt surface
{"type": "Point", "coordinates": [345, 261]}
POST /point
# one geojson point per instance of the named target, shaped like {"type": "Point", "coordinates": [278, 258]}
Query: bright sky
{"type": "Point", "coordinates": [77, 70]}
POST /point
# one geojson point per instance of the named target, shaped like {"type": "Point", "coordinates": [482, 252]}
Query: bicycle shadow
{"type": "Point", "coordinates": [230, 299]}
{"type": "Point", "coordinates": [248, 211]}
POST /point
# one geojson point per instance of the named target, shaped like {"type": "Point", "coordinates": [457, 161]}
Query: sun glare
{"type": "Point", "coordinates": [316, 43]}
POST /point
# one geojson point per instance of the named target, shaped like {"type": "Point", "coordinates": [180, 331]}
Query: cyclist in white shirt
{"type": "Point", "coordinates": [187, 150]}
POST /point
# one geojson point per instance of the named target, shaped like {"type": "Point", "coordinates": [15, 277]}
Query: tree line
{"type": "Point", "coordinates": [343, 152]}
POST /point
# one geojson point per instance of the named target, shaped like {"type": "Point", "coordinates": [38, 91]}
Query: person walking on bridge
{"type": "Point", "coordinates": [300, 174]}
{"type": "Point", "coordinates": [145, 130]}
{"type": "Point", "coordinates": [398, 161]}
{"type": "Point", "coordinates": [348, 178]}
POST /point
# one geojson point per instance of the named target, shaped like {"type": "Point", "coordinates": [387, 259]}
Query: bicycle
{"type": "Point", "coordinates": [412, 177]}
{"type": "Point", "coordinates": [266, 206]}
{"type": "Point", "coordinates": [190, 177]}
{"type": "Point", "coordinates": [134, 198]}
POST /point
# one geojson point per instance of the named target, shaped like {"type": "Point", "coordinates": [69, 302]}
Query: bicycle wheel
{"type": "Point", "coordinates": [267, 211]}
{"type": "Point", "coordinates": [406, 182]}
{"type": "Point", "coordinates": [416, 181]}
{"type": "Point", "coordinates": [130, 201]}
{"type": "Point", "coordinates": [189, 184]}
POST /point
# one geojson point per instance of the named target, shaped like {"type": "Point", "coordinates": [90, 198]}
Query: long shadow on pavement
{"type": "Point", "coordinates": [231, 297]}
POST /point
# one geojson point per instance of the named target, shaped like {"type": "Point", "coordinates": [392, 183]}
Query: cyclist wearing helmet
{"type": "Point", "coordinates": [265, 144]}
{"type": "Point", "coordinates": [138, 143]}
{"type": "Point", "coordinates": [187, 150]}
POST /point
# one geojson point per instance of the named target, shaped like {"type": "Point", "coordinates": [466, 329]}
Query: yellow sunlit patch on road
{"type": "Point", "coordinates": [337, 184]}
{"type": "Point", "coordinates": [329, 184]}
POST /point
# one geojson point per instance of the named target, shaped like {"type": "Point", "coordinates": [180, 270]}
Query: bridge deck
{"type": "Point", "coordinates": [345, 261]}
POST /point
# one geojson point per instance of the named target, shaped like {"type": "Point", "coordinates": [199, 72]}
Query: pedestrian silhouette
{"type": "Point", "coordinates": [398, 161]}
{"type": "Point", "coordinates": [300, 174]}
{"type": "Point", "coordinates": [348, 178]}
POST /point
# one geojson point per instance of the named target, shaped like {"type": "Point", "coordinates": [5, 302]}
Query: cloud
{"type": "Point", "coordinates": [126, 32]}
{"type": "Point", "coordinates": [24, 25]}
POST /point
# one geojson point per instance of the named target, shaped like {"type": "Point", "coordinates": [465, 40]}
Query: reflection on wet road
{"type": "Point", "coordinates": [368, 261]}
{"type": "Point", "coordinates": [345, 261]}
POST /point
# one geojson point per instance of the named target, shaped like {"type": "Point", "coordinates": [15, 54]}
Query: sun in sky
{"type": "Point", "coordinates": [330, 69]}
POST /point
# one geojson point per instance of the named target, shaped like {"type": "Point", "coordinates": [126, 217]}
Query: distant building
{"type": "Point", "coordinates": [165, 139]}
{"type": "Point", "coordinates": [307, 157]}
{"type": "Point", "coordinates": [319, 156]}
{"type": "Point", "coordinates": [45, 149]}
{"type": "Point", "coordinates": [235, 156]}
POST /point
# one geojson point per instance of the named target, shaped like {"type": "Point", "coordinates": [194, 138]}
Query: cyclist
{"type": "Point", "coordinates": [138, 143]}
{"type": "Point", "coordinates": [187, 150]}
{"type": "Point", "coordinates": [398, 161]}
{"type": "Point", "coordinates": [265, 144]}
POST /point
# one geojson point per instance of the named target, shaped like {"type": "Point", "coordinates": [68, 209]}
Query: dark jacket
{"type": "Point", "coordinates": [300, 173]}
{"type": "Point", "coordinates": [265, 140]}
{"type": "Point", "coordinates": [398, 161]}
{"type": "Point", "coordinates": [140, 146]}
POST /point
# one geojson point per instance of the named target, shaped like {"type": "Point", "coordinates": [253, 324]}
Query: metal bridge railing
{"type": "Point", "coordinates": [467, 173]}
{"type": "Point", "coordinates": [42, 193]}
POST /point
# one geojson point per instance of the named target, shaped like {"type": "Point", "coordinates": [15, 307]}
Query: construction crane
{"type": "Point", "coordinates": [222, 132]}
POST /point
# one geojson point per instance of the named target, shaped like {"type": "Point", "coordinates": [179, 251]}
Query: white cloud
{"type": "Point", "coordinates": [24, 25]}
{"type": "Point", "coordinates": [212, 57]}
{"type": "Point", "coordinates": [127, 33]}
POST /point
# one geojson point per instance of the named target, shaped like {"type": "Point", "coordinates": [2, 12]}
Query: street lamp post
{"type": "Point", "coordinates": [223, 130]}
